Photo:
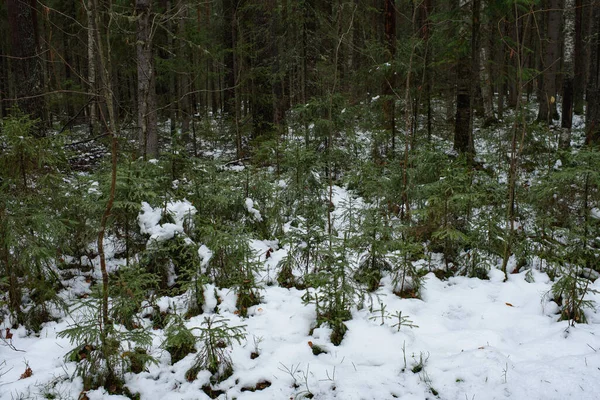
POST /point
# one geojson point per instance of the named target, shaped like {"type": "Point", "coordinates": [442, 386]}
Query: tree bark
{"type": "Point", "coordinates": [183, 85]}
{"type": "Point", "coordinates": [4, 78]}
{"type": "Point", "coordinates": [486, 87]}
{"type": "Point", "coordinates": [26, 62]}
{"type": "Point", "coordinates": [579, 60]}
{"type": "Point", "coordinates": [263, 56]}
{"type": "Point", "coordinates": [112, 129]}
{"type": "Point", "coordinates": [147, 120]}
{"type": "Point", "coordinates": [476, 97]}
{"type": "Point", "coordinates": [467, 69]}
{"type": "Point", "coordinates": [551, 62]}
{"type": "Point", "coordinates": [91, 50]}
{"type": "Point", "coordinates": [592, 121]}
{"type": "Point", "coordinates": [463, 140]}
{"type": "Point", "coordinates": [568, 72]}
{"type": "Point", "coordinates": [229, 12]}
{"type": "Point", "coordinates": [389, 81]}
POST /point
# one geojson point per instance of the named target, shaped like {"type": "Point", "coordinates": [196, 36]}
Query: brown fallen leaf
{"type": "Point", "coordinates": [28, 372]}
{"type": "Point", "coordinates": [268, 253]}
{"type": "Point", "coordinates": [508, 304]}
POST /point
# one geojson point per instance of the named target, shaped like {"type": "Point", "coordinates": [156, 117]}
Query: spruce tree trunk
{"type": "Point", "coordinates": [171, 95]}
{"type": "Point", "coordinates": [511, 63]}
{"type": "Point", "coordinates": [183, 85]}
{"type": "Point", "coordinates": [389, 80]}
{"type": "Point", "coordinates": [91, 50]}
{"type": "Point", "coordinates": [551, 62]}
{"type": "Point", "coordinates": [462, 122]}
{"type": "Point", "coordinates": [229, 12]}
{"type": "Point", "coordinates": [592, 121]}
{"type": "Point", "coordinates": [467, 76]}
{"type": "Point", "coordinates": [264, 54]}
{"type": "Point", "coordinates": [502, 70]}
{"type": "Point", "coordinates": [148, 135]}
{"type": "Point", "coordinates": [579, 72]}
{"type": "Point", "coordinates": [280, 38]}
{"type": "Point", "coordinates": [476, 97]}
{"type": "Point", "coordinates": [4, 78]}
{"type": "Point", "coordinates": [487, 91]}
{"type": "Point", "coordinates": [425, 28]}
{"type": "Point", "coordinates": [27, 68]}
{"type": "Point", "coordinates": [567, 113]}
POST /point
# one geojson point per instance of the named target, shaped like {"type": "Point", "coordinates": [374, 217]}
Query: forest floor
{"type": "Point", "coordinates": [463, 339]}
{"type": "Point", "coordinates": [470, 339]}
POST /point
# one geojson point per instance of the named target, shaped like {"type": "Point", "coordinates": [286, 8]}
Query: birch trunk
{"type": "Point", "coordinates": [568, 51]}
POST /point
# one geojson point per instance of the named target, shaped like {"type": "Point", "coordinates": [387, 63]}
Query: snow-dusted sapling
{"type": "Point", "coordinates": [216, 338]}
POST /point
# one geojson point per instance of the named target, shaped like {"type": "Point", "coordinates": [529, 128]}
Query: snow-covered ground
{"type": "Point", "coordinates": [470, 339]}
{"type": "Point", "coordinates": [476, 339]}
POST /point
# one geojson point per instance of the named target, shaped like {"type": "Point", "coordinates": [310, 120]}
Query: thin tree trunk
{"type": "Point", "coordinates": [112, 129]}
{"type": "Point", "coordinates": [405, 212]}
{"type": "Point", "coordinates": [511, 82]}
{"type": "Point", "coordinates": [427, 76]}
{"type": "Point", "coordinates": [14, 289]}
{"type": "Point", "coordinates": [519, 128]}
{"type": "Point", "coordinates": [171, 96]}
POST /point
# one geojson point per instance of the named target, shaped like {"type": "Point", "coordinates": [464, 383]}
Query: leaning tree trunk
{"type": "Point", "coordinates": [26, 64]}
{"type": "Point", "coordinates": [148, 135]}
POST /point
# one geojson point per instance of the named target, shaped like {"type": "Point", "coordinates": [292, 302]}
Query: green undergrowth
{"type": "Point", "coordinates": [399, 217]}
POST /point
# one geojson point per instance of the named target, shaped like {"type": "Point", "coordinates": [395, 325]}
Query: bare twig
{"type": "Point", "coordinates": [8, 343]}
